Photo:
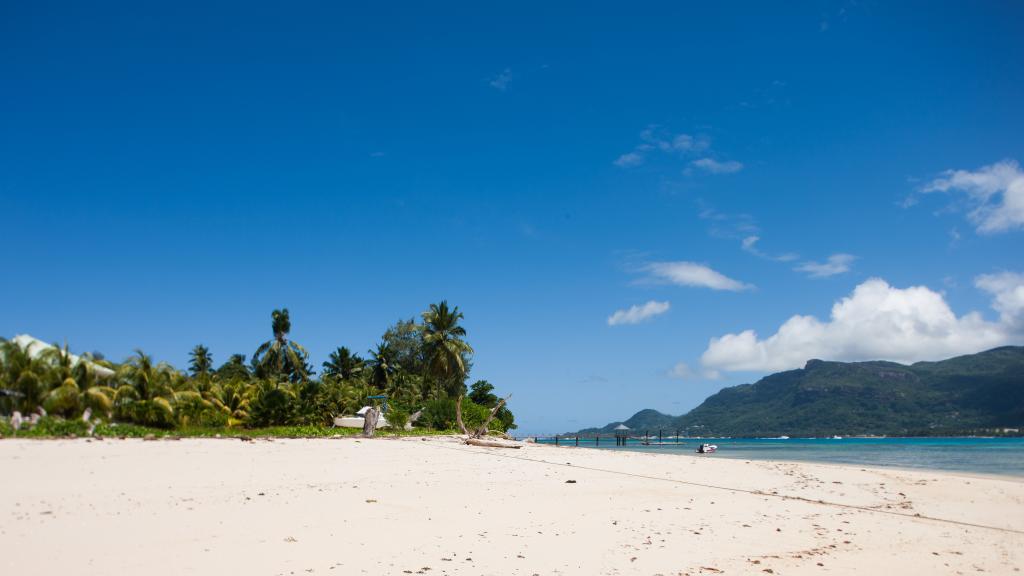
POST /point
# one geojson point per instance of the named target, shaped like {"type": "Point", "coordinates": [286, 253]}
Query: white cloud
{"type": "Point", "coordinates": [1007, 289]}
{"type": "Point", "coordinates": [693, 274]}
{"type": "Point", "coordinates": [728, 225]}
{"type": "Point", "coordinates": [713, 166]}
{"type": "Point", "coordinates": [878, 322]}
{"type": "Point", "coordinates": [681, 371]}
{"type": "Point", "coordinates": [629, 159]}
{"type": "Point", "coordinates": [500, 82]}
{"type": "Point", "coordinates": [685, 143]}
{"type": "Point", "coordinates": [654, 138]}
{"type": "Point", "coordinates": [749, 244]}
{"type": "Point", "coordinates": [995, 192]}
{"type": "Point", "coordinates": [835, 264]}
{"type": "Point", "coordinates": [637, 314]}
{"type": "Point", "coordinates": [712, 374]}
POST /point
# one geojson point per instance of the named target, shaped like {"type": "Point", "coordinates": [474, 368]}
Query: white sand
{"type": "Point", "coordinates": [392, 506]}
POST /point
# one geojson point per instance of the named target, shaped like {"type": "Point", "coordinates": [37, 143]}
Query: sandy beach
{"type": "Point", "coordinates": [436, 506]}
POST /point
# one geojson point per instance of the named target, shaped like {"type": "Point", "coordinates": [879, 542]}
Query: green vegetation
{"type": "Point", "coordinates": [418, 366]}
{"type": "Point", "coordinates": [56, 427]}
{"type": "Point", "coordinates": [974, 394]}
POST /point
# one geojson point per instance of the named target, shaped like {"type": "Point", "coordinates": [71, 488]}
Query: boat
{"type": "Point", "coordinates": [706, 449]}
{"type": "Point", "coordinates": [358, 420]}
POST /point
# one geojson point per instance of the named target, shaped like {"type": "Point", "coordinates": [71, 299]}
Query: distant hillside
{"type": "Point", "coordinates": [973, 392]}
{"type": "Point", "coordinates": [643, 420]}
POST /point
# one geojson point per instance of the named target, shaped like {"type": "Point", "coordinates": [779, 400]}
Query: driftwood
{"type": "Point", "coordinates": [483, 427]}
{"type": "Point", "coordinates": [370, 422]}
{"type": "Point", "coordinates": [412, 419]}
{"type": "Point", "coordinates": [458, 416]}
{"type": "Point", "coordinates": [490, 443]}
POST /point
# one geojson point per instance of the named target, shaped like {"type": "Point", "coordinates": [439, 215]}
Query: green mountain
{"type": "Point", "coordinates": [963, 394]}
{"type": "Point", "coordinates": [643, 420]}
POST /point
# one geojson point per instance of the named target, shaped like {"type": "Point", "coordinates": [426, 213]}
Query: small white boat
{"type": "Point", "coordinates": [706, 449]}
{"type": "Point", "coordinates": [837, 437]}
{"type": "Point", "coordinates": [358, 420]}
{"type": "Point", "coordinates": [348, 421]}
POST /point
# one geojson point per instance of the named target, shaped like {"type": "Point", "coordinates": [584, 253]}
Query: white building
{"type": "Point", "coordinates": [34, 347]}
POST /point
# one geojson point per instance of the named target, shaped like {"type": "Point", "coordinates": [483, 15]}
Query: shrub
{"type": "Point", "coordinates": [505, 418]}
{"type": "Point", "coordinates": [63, 400]}
{"type": "Point", "coordinates": [397, 417]}
{"type": "Point", "coordinates": [157, 413]}
{"type": "Point", "coordinates": [32, 389]}
{"type": "Point", "coordinates": [213, 419]}
{"type": "Point", "coordinates": [100, 399]}
{"type": "Point", "coordinates": [124, 398]}
{"type": "Point", "coordinates": [274, 405]}
{"type": "Point", "coordinates": [440, 414]}
{"type": "Point", "coordinates": [190, 409]}
{"type": "Point", "coordinates": [54, 426]}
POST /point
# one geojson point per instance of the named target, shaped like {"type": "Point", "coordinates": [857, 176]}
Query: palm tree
{"type": "Point", "coordinates": [59, 360]}
{"type": "Point", "coordinates": [234, 369]}
{"type": "Point", "coordinates": [64, 387]}
{"type": "Point", "coordinates": [281, 356]}
{"type": "Point", "coordinates": [145, 391]}
{"type": "Point", "coordinates": [445, 347]}
{"type": "Point", "coordinates": [404, 387]}
{"type": "Point", "coordinates": [146, 379]}
{"type": "Point", "coordinates": [343, 364]}
{"type": "Point", "coordinates": [231, 398]}
{"type": "Point", "coordinates": [96, 392]}
{"type": "Point", "coordinates": [25, 375]}
{"type": "Point", "coordinates": [201, 364]}
{"type": "Point", "coordinates": [381, 366]}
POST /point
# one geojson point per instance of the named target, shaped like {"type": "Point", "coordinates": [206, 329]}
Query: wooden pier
{"type": "Point", "coordinates": [621, 439]}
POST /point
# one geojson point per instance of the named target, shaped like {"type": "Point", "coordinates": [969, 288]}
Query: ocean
{"type": "Point", "coordinates": [1002, 456]}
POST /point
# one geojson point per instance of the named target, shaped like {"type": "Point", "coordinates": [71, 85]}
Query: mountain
{"type": "Point", "coordinates": [959, 395]}
{"type": "Point", "coordinates": [643, 420]}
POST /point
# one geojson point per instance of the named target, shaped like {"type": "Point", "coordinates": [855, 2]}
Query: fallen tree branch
{"type": "Point", "coordinates": [482, 431]}
{"type": "Point", "coordinates": [458, 416]}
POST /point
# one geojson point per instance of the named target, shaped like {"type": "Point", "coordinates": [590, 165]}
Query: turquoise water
{"type": "Point", "coordinates": [1004, 456]}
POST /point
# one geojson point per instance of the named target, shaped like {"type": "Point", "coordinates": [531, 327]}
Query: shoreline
{"type": "Point", "coordinates": [611, 435]}
{"type": "Point", "coordinates": [328, 433]}
{"type": "Point", "coordinates": [843, 465]}
{"type": "Point", "coordinates": [388, 505]}
{"type": "Point", "coordinates": [995, 457]}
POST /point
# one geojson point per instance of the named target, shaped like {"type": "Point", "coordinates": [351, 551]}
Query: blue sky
{"type": "Point", "coordinates": [170, 175]}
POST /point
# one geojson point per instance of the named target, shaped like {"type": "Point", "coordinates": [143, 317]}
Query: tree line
{"type": "Point", "coordinates": [421, 366]}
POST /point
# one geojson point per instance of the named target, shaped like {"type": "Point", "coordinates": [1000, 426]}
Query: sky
{"type": "Point", "coordinates": [633, 205]}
